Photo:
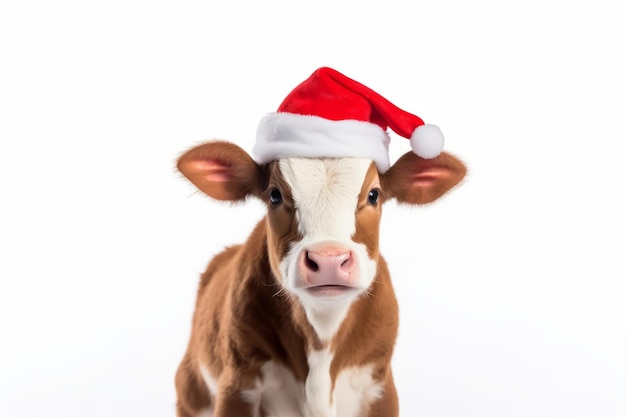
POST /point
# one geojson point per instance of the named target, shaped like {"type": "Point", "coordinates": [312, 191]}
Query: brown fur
{"type": "Point", "coordinates": [243, 319]}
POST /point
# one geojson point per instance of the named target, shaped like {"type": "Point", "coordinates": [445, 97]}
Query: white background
{"type": "Point", "coordinates": [511, 288]}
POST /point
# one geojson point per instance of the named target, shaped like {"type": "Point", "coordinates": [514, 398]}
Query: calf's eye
{"type": "Point", "coordinates": [372, 197]}
{"type": "Point", "coordinates": [275, 197]}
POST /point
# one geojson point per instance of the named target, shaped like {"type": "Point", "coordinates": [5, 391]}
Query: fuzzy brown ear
{"type": "Point", "coordinates": [415, 180]}
{"type": "Point", "coordinates": [221, 170]}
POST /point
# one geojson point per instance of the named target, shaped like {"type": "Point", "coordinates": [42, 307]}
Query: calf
{"type": "Point", "coordinates": [301, 319]}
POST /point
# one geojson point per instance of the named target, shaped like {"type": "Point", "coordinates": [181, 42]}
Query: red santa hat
{"type": "Point", "coordinates": [331, 115]}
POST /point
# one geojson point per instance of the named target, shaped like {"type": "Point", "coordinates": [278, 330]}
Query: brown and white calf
{"type": "Point", "coordinates": [301, 319]}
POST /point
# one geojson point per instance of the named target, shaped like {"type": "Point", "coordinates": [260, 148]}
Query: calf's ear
{"type": "Point", "coordinates": [221, 170]}
{"type": "Point", "coordinates": [415, 180]}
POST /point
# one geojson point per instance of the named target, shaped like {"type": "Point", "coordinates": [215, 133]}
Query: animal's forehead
{"type": "Point", "coordinates": [325, 193]}
{"type": "Point", "coordinates": [311, 176]}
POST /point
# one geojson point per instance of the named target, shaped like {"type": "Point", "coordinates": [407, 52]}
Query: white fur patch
{"type": "Point", "coordinates": [276, 392]}
{"type": "Point", "coordinates": [210, 380]}
{"type": "Point", "coordinates": [206, 412]}
{"type": "Point", "coordinates": [319, 398]}
{"type": "Point", "coordinates": [355, 390]}
{"type": "Point", "coordinates": [325, 193]}
{"type": "Point", "coordinates": [325, 316]}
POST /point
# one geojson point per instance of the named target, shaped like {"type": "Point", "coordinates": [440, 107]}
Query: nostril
{"type": "Point", "coordinates": [310, 263]}
{"type": "Point", "coordinates": [347, 262]}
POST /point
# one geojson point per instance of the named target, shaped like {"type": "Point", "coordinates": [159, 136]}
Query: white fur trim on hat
{"type": "Point", "coordinates": [427, 141]}
{"type": "Point", "coordinates": [294, 135]}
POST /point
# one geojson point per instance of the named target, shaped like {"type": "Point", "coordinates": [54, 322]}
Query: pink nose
{"type": "Point", "coordinates": [328, 266]}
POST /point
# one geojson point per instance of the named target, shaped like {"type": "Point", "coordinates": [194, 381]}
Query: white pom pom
{"type": "Point", "coordinates": [427, 141]}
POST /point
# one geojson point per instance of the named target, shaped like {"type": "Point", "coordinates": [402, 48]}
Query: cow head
{"type": "Point", "coordinates": [323, 215]}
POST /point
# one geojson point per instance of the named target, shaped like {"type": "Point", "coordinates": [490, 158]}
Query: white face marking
{"type": "Point", "coordinates": [325, 193]}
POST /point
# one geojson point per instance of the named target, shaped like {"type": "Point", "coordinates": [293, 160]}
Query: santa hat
{"type": "Point", "coordinates": [331, 115]}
